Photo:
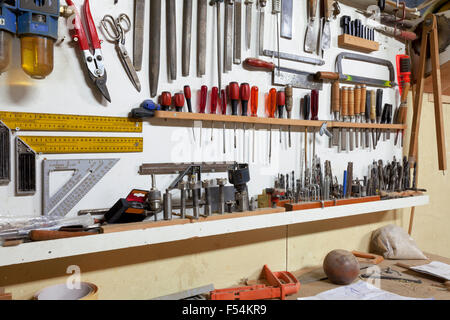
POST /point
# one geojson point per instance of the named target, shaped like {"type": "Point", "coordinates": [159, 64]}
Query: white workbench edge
{"type": "Point", "coordinates": [53, 249]}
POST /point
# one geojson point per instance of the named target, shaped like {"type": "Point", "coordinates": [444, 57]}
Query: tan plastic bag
{"type": "Point", "coordinates": [392, 242]}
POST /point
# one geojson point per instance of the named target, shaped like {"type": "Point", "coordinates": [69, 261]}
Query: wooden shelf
{"type": "Point", "coordinates": [177, 116]}
{"type": "Point", "coordinates": [349, 42]}
{"type": "Point", "coordinates": [54, 249]}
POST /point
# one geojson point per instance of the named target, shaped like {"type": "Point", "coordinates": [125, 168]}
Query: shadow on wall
{"type": "Point", "coordinates": [29, 272]}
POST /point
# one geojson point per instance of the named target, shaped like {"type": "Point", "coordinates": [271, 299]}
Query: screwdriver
{"type": "Point", "coordinates": [202, 108]}
{"type": "Point", "coordinates": [213, 107]}
{"type": "Point", "coordinates": [379, 110]}
{"type": "Point", "coordinates": [166, 100]}
{"type": "Point", "coordinates": [373, 114]}
{"type": "Point", "coordinates": [351, 114]}
{"type": "Point", "coordinates": [254, 112]}
{"type": "Point", "coordinates": [224, 104]}
{"type": "Point", "coordinates": [245, 97]}
{"type": "Point", "coordinates": [272, 107]}
{"type": "Point", "coordinates": [362, 111]}
{"type": "Point", "coordinates": [289, 106]}
{"type": "Point", "coordinates": [357, 113]}
{"type": "Point", "coordinates": [188, 97]}
{"type": "Point", "coordinates": [179, 102]}
{"type": "Point", "coordinates": [234, 96]}
{"type": "Point", "coordinates": [314, 116]}
{"type": "Point", "coordinates": [306, 112]}
{"type": "Point", "coordinates": [281, 102]}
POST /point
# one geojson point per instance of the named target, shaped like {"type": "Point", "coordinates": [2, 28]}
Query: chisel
{"type": "Point", "coordinates": [202, 17]}
{"type": "Point", "coordinates": [289, 106]}
{"type": "Point", "coordinates": [155, 45]}
{"type": "Point", "coordinates": [254, 111]}
{"type": "Point", "coordinates": [367, 116]}
{"type": "Point", "coordinates": [228, 36]}
{"type": "Point", "coordinates": [373, 115]}
{"type": "Point", "coordinates": [248, 22]}
{"type": "Point", "coordinates": [171, 38]}
{"type": "Point", "coordinates": [237, 31]}
{"type": "Point", "coordinates": [272, 107]}
{"type": "Point", "coordinates": [344, 117]}
{"type": "Point", "coordinates": [187, 35]}
{"type": "Point", "coordinates": [139, 20]}
{"type": "Point", "coordinates": [286, 19]}
{"type": "Point", "coordinates": [335, 107]}
{"type": "Point", "coordinates": [362, 111]}
{"type": "Point", "coordinates": [357, 113]}
{"type": "Point", "coordinates": [351, 114]}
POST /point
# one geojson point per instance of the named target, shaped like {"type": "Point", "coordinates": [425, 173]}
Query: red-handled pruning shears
{"type": "Point", "coordinates": [93, 57]}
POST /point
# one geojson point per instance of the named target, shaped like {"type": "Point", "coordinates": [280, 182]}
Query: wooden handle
{"type": "Point", "coordinates": [328, 8]}
{"type": "Point", "coordinates": [362, 109]}
{"type": "Point", "coordinates": [327, 76]}
{"type": "Point", "coordinates": [344, 101]}
{"type": "Point", "coordinates": [44, 235]}
{"type": "Point", "coordinates": [312, 8]}
{"type": "Point", "coordinates": [405, 93]}
{"type": "Point", "coordinates": [289, 100]}
{"type": "Point", "coordinates": [376, 259]}
{"type": "Point", "coordinates": [373, 103]}
{"type": "Point", "coordinates": [357, 100]}
{"type": "Point", "coordinates": [259, 64]}
{"type": "Point", "coordinates": [351, 102]}
{"type": "Point", "coordinates": [335, 97]}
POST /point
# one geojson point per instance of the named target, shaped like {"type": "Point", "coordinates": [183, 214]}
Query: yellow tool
{"type": "Point", "coordinates": [59, 122]}
{"type": "Point", "coordinates": [59, 145]}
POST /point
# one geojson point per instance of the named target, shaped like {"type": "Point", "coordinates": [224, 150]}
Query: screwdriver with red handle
{"type": "Point", "coordinates": [202, 106]}
{"type": "Point", "coordinates": [234, 97]}
{"type": "Point", "coordinates": [254, 111]}
{"type": "Point", "coordinates": [281, 102]}
{"type": "Point", "coordinates": [166, 100]}
{"type": "Point", "coordinates": [272, 107]}
{"type": "Point", "coordinates": [245, 98]}
{"type": "Point", "coordinates": [224, 105]}
{"type": "Point", "coordinates": [213, 107]}
{"type": "Point", "coordinates": [179, 102]}
{"type": "Point", "coordinates": [188, 97]}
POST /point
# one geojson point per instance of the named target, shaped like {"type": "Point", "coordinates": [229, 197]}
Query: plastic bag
{"type": "Point", "coordinates": [392, 242]}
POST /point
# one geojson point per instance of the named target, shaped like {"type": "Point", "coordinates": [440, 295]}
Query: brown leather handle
{"type": "Point", "coordinates": [44, 235]}
{"type": "Point", "coordinates": [357, 100]}
{"type": "Point", "coordinates": [259, 64]}
{"type": "Point", "coordinates": [344, 101]}
{"type": "Point", "coordinates": [327, 75]}
{"type": "Point", "coordinates": [335, 94]}
{"type": "Point", "coordinates": [362, 109]}
{"type": "Point", "coordinates": [351, 102]}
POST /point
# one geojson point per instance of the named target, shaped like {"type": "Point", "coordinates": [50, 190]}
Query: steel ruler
{"type": "Point", "coordinates": [86, 174]}
{"type": "Point", "coordinates": [22, 121]}
{"type": "Point", "coordinates": [60, 145]}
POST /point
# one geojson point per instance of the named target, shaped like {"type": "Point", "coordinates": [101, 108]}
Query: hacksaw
{"type": "Point", "coordinates": [87, 173]}
{"type": "Point", "coordinates": [24, 121]}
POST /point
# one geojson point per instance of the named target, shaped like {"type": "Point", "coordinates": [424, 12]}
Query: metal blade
{"type": "Point", "coordinates": [202, 16]}
{"type": "Point", "coordinates": [138, 44]}
{"type": "Point", "coordinates": [237, 31]}
{"type": "Point", "coordinates": [293, 57]}
{"type": "Point", "coordinates": [129, 68]}
{"type": "Point", "coordinates": [326, 36]}
{"type": "Point", "coordinates": [100, 83]}
{"type": "Point", "coordinates": [261, 30]}
{"type": "Point", "coordinates": [187, 35]}
{"type": "Point", "coordinates": [248, 23]}
{"type": "Point", "coordinates": [297, 79]}
{"type": "Point", "coordinates": [155, 45]}
{"type": "Point", "coordinates": [311, 38]}
{"type": "Point", "coordinates": [228, 35]}
{"type": "Point", "coordinates": [286, 19]}
{"type": "Point", "coordinates": [171, 38]}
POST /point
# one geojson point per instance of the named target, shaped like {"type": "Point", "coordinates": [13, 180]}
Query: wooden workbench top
{"type": "Point", "coordinates": [429, 288]}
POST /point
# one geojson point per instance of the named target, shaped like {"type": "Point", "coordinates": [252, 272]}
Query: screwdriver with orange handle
{"type": "Point", "coordinates": [272, 107]}
{"type": "Point", "coordinates": [254, 111]}
{"type": "Point", "coordinates": [213, 107]}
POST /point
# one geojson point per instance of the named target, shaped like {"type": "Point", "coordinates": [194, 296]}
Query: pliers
{"type": "Point", "coordinates": [93, 60]}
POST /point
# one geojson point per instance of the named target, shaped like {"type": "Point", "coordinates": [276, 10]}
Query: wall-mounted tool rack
{"type": "Point", "coordinates": [350, 42]}
{"type": "Point", "coordinates": [170, 116]}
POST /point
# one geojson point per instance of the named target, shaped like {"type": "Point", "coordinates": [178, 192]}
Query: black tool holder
{"type": "Point", "coordinates": [239, 176]}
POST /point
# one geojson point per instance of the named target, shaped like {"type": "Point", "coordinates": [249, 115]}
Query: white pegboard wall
{"type": "Point", "coordinates": [68, 90]}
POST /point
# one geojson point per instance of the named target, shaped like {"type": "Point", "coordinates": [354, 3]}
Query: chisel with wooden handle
{"type": "Point", "coordinates": [373, 115]}
{"type": "Point", "coordinates": [362, 111]}
{"type": "Point", "coordinates": [289, 106]}
{"type": "Point", "coordinates": [357, 113]}
{"type": "Point", "coordinates": [344, 116]}
{"type": "Point", "coordinates": [402, 111]}
{"type": "Point", "coordinates": [351, 114]}
{"type": "Point", "coordinates": [336, 108]}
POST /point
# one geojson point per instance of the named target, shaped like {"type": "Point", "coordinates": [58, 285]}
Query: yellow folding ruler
{"type": "Point", "coordinates": [61, 122]}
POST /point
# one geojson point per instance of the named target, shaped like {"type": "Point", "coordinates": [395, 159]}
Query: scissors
{"type": "Point", "coordinates": [116, 30]}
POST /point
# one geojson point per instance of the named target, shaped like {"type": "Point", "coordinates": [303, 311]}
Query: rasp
{"type": "Point", "coordinates": [187, 35]}
{"type": "Point", "coordinates": [171, 37]}
{"type": "Point", "coordinates": [228, 36]}
{"type": "Point", "coordinates": [237, 31]}
{"type": "Point", "coordinates": [202, 17]}
{"type": "Point", "coordinates": [155, 45]}
{"type": "Point", "coordinates": [262, 9]}
{"type": "Point", "coordinates": [139, 21]}
{"type": "Point", "coordinates": [286, 19]}
{"type": "Point", "coordinates": [248, 22]}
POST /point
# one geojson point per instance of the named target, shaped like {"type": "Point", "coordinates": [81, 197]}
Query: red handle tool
{"type": "Point", "coordinates": [281, 102]}
{"type": "Point", "coordinates": [254, 101]}
{"type": "Point", "coordinates": [224, 101]}
{"type": "Point", "coordinates": [314, 105]}
{"type": "Point", "coordinates": [203, 97]}
{"type": "Point", "coordinates": [245, 97]}
{"type": "Point", "coordinates": [214, 99]}
{"type": "Point", "coordinates": [166, 100]}
{"type": "Point", "coordinates": [272, 106]}
{"type": "Point", "coordinates": [234, 96]}
{"type": "Point", "coordinates": [188, 96]}
{"type": "Point", "coordinates": [179, 102]}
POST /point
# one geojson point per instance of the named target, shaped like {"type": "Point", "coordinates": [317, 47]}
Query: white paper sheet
{"type": "Point", "coordinates": [360, 290]}
{"type": "Point", "coordinates": [435, 268]}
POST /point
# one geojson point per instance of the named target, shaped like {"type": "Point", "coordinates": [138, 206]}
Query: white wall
{"type": "Point", "coordinates": [67, 90]}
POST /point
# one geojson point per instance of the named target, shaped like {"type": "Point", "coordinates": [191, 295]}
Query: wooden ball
{"type": "Point", "coordinates": [341, 267]}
